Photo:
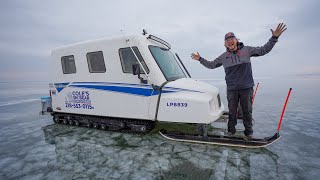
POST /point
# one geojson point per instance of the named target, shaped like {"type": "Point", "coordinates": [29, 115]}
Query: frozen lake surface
{"type": "Point", "coordinates": [32, 147]}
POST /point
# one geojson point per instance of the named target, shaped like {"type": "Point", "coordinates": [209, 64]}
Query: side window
{"type": "Point", "coordinates": [96, 62]}
{"type": "Point", "coordinates": [128, 59]}
{"type": "Point", "coordinates": [68, 64]}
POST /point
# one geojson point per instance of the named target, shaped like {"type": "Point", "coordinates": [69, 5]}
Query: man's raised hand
{"type": "Point", "coordinates": [195, 56]}
{"type": "Point", "coordinates": [280, 29]}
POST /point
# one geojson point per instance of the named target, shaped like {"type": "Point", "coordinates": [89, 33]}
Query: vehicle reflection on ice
{"type": "Point", "coordinates": [86, 153]}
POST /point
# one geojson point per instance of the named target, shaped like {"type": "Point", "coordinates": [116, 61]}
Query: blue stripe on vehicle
{"type": "Point", "coordinates": [127, 90]}
{"type": "Point", "coordinates": [137, 85]}
{"type": "Point", "coordinates": [136, 89]}
{"type": "Point", "coordinates": [180, 89]}
{"type": "Point", "coordinates": [114, 83]}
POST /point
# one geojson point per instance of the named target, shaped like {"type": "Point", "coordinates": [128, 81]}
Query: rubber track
{"type": "Point", "coordinates": [99, 120]}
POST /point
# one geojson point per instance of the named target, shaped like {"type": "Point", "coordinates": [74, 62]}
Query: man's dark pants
{"type": "Point", "coordinates": [245, 97]}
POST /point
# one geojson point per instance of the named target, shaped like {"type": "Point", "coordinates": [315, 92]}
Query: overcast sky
{"type": "Point", "coordinates": [30, 29]}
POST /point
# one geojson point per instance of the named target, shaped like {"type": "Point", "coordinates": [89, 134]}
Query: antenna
{"type": "Point", "coordinates": [144, 32]}
{"type": "Point", "coordinates": [145, 72]}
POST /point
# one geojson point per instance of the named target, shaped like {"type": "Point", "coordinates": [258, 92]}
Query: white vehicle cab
{"type": "Point", "coordinates": [126, 84]}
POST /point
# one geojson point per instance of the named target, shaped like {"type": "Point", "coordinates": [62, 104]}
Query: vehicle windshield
{"type": "Point", "coordinates": [167, 63]}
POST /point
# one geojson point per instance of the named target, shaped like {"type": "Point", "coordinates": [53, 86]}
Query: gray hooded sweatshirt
{"type": "Point", "coordinates": [237, 65]}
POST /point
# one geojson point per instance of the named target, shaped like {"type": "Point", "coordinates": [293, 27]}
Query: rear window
{"type": "Point", "coordinates": [68, 64]}
{"type": "Point", "coordinates": [96, 62]}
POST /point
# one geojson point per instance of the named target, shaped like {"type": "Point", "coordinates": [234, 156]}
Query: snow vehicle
{"type": "Point", "coordinates": [127, 84]}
